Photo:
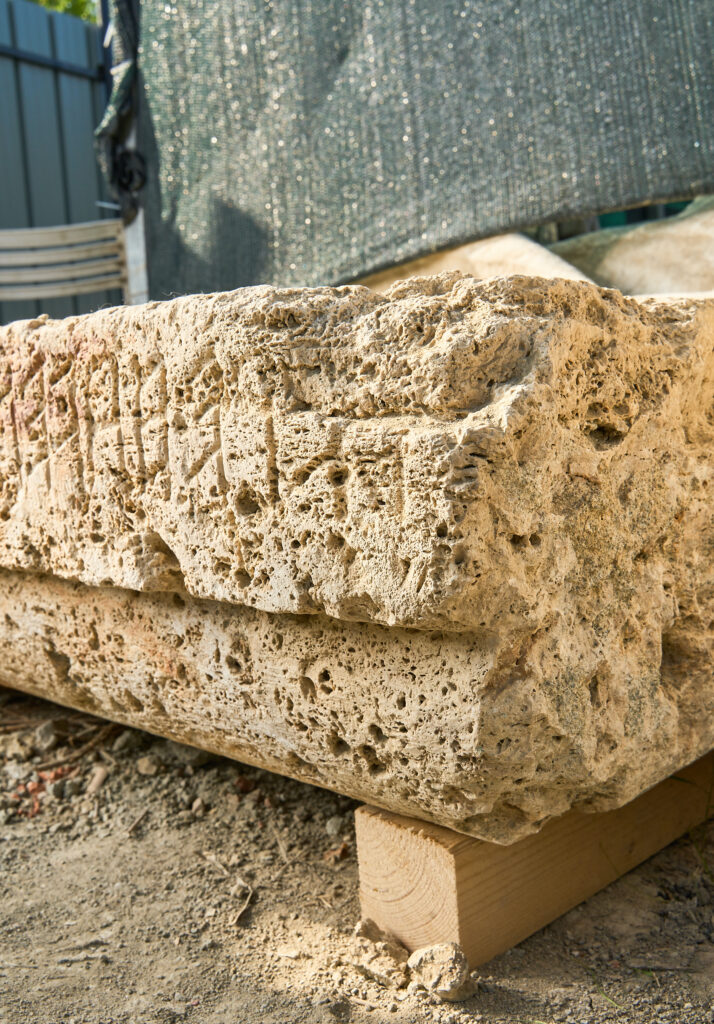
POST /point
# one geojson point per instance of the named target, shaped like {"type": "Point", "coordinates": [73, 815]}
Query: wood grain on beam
{"type": "Point", "coordinates": [428, 884]}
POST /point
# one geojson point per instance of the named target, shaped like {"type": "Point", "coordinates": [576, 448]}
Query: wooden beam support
{"type": "Point", "coordinates": [427, 884]}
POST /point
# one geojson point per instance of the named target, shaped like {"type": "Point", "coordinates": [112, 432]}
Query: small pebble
{"type": "Point", "coordinates": [126, 741]}
{"type": "Point", "coordinates": [14, 748]}
{"type": "Point", "coordinates": [334, 825]}
{"type": "Point", "coordinates": [183, 754]}
{"type": "Point", "coordinates": [147, 765]}
{"type": "Point", "coordinates": [45, 737]}
{"type": "Point", "coordinates": [56, 789]}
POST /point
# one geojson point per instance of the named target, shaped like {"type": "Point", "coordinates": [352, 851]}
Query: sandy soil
{"type": "Point", "coordinates": [214, 893]}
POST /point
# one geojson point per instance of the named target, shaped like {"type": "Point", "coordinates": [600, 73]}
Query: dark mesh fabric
{"type": "Point", "coordinates": [116, 126]}
{"type": "Point", "coordinates": [314, 141]}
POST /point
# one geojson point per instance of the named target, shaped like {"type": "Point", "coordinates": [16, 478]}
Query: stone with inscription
{"type": "Point", "coordinates": [447, 549]}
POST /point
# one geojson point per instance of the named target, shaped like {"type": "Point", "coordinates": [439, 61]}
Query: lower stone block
{"type": "Point", "coordinates": [404, 719]}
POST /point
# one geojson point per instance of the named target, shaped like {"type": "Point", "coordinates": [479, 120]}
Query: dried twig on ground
{"type": "Point", "coordinates": [137, 821]}
{"type": "Point", "coordinates": [102, 735]}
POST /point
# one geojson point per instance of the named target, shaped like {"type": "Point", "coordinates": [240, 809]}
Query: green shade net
{"type": "Point", "coordinates": [315, 141]}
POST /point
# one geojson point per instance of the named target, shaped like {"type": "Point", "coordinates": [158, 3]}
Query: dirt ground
{"type": "Point", "coordinates": [143, 882]}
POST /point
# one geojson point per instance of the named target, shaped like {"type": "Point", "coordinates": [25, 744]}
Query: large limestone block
{"type": "Point", "coordinates": [448, 549]}
{"type": "Point", "coordinates": [456, 455]}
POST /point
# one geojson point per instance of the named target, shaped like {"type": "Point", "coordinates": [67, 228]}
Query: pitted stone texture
{"type": "Point", "coordinates": [494, 457]}
{"type": "Point", "coordinates": [439, 726]}
{"type": "Point", "coordinates": [518, 470]}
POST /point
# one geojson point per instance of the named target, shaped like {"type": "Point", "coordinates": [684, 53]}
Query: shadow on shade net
{"type": "Point", "coordinates": [306, 142]}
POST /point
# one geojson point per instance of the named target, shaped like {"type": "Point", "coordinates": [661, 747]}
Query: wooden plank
{"type": "Point", "coordinates": [64, 234]}
{"type": "Point", "coordinates": [47, 291]}
{"type": "Point", "coordinates": [62, 271]}
{"type": "Point", "coordinates": [427, 884]}
{"type": "Point", "coordinates": [60, 254]}
{"type": "Point", "coordinates": [137, 272]}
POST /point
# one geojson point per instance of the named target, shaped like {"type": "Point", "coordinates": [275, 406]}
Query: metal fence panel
{"type": "Point", "coordinates": [53, 92]}
{"type": "Point", "coordinates": [14, 187]}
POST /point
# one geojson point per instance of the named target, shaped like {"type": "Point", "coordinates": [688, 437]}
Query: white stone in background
{"type": "Point", "coordinates": [671, 256]}
{"type": "Point", "coordinates": [498, 256]}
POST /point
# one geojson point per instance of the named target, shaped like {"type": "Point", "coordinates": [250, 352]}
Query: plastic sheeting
{"type": "Point", "coordinates": [316, 141]}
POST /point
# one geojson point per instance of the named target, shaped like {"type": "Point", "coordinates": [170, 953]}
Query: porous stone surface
{"type": "Point", "coordinates": [428, 724]}
{"type": "Point", "coordinates": [453, 455]}
{"type": "Point", "coordinates": [448, 550]}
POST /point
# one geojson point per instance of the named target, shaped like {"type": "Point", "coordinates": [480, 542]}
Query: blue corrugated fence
{"type": "Point", "coordinates": [52, 95]}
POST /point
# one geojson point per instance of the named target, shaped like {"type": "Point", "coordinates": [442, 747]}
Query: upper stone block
{"type": "Point", "coordinates": [455, 455]}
